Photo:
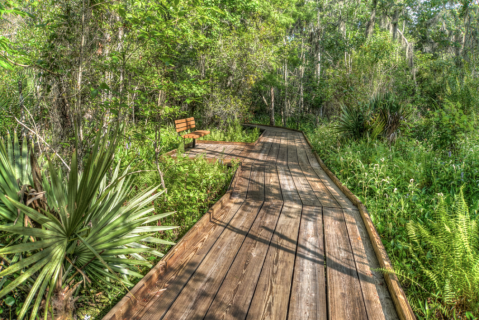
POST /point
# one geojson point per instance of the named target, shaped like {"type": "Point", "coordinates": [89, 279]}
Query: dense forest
{"type": "Point", "coordinates": [386, 91]}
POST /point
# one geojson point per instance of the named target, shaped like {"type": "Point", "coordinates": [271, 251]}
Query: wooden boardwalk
{"type": "Point", "coordinates": [287, 245]}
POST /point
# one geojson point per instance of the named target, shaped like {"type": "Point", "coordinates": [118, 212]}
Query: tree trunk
{"type": "Point", "coordinates": [394, 24]}
{"type": "Point", "coordinates": [372, 20]}
{"type": "Point", "coordinates": [286, 90]}
{"type": "Point", "coordinates": [271, 110]}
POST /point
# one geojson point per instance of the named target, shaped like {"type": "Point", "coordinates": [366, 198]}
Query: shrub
{"type": "Point", "coordinates": [390, 115]}
{"type": "Point", "coordinates": [383, 115]}
{"type": "Point", "coordinates": [353, 122]}
{"type": "Point", "coordinates": [451, 124]}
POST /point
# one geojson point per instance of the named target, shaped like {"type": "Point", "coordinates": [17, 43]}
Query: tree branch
{"type": "Point", "coordinates": [39, 137]}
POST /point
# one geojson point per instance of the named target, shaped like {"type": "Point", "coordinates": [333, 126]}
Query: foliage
{"type": "Point", "coordinates": [451, 124]}
{"type": "Point", "coordinates": [353, 122]}
{"type": "Point", "coordinates": [233, 131]}
{"type": "Point", "coordinates": [445, 246]}
{"type": "Point", "coordinates": [85, 225]}
{"type": "Point", "coordinates": [16, 179]}
{"type": "Point", "coordinates": [383, 115]}
{"type": "Point", "coordinates": [390, 116]}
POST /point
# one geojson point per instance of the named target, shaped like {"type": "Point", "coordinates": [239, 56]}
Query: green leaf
{"type": "Point", "coordinates": [9, 301]}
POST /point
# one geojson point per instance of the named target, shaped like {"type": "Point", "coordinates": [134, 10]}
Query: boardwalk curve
{"type": "Point", "coordinates": [284, 242]}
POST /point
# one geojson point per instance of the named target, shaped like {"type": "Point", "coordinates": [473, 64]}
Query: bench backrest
{"type": "Point", "coordinates": [185, 124]}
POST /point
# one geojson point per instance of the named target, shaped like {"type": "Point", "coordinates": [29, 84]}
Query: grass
{"type": "Point", "coordinates": [401, 184]}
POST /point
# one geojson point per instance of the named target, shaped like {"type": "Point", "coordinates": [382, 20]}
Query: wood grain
{"type": "Point", "coordinates": [234, 297]}
{"type": "Point", "coordinates": [196, 297]}
{"type": "Point", "coordinates": [256, 184]}
{"type": "Point", "coordinates": [241, 188]}
{"type": "Point", "coordinates": [345, 298]}
{"type": "Point", "coordinates": [308, 295]}
{"type": "Point", "coordinates": [179, 270]}
{"type": "Point", "coordinates": [270, 300]}
{"type": "Point", "coordinates": [403, 308]}
{"type": "Point", "coordinates": [376, 298]}
{"type": "Point", "coordinates": [264, 258]}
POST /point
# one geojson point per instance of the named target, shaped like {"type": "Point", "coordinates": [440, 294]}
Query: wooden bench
{"type": "Point", "coordinates": [188, 124]}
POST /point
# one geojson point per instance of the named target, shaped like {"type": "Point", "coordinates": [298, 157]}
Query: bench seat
{"type": "Point", "coordinates": [188, 124]}
{"type": "Point", "coordinates": [195, 135]}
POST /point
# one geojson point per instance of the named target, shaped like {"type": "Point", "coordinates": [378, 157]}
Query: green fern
{"type": "Point", "coordinates": [447, 252]}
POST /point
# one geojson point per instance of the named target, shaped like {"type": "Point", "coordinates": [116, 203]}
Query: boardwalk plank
{"type": "Point", "coordinates": [256, 184]}
{"type": "Point", "coordinates": [288, 188]}
{"type": "Point", "coordinates": [176, 276]}
{"type": "Point", "coordinates": [236, 292]}
{"type": "Point", "coordinates": [292, 153]}
{"type": "Point", "coordinates": [196, 297]}
{"type": "Point", "coordinates": [325, 198]}
{"type": "Point", "coordinates": [307, 193]}
{"type": "Point", "coordinates": [308, 295]}
{"type": "Point", "coordinates": [270, 300]}
{"type": "Point", "coordinates": [273, 152]}
{"type": "Point", "coordinates": [235, 153]}
{"type": "Point", "coordinates": [223, 152]}
{"type": "Point", "coordinates": [272, 185]}
{"type": "Point", "coordinates": [345, 299]}
{"type": "Point", "coordinates": [379, 305]}
{"type": "Point", "coordinates": [338, 195]}
{"type": "Point", "coordinates": [282, 159]}
{"type": "Point", "coordinates": [241, 187]}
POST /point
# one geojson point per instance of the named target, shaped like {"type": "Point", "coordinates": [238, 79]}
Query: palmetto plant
{"type": "Point", "coordinates": [390, 114]}
{"type": "Point", "coordinates": [15, 177]}
{"type": "Point", "coordinates": [352, 122]}
{"type": "Point", "coordinates": [449, 245]}
{"type": "Point", "coordinates": [89, 231]}
{"type": "Point", "coordinates": [383, 115]}
{"type": "Point", "coordinates": [358, 121]}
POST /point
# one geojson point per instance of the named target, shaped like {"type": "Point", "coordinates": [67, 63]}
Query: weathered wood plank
{"type": "Point", "coordinates": [282, 159]}
{"type": "Point", "coordinates": [179, 270]}
{"type": "Point", "coordinates": [224, 151]}
{"type": "Point", "coordinates": [273, 152]}
{"type": "Point", "coordinates": [340, 197]}
{"type": "Point", "coordinates": [235, 153]}
{"type": "Point", "coordinates": [239, 192]}
{"type": "Point", "coordinates": [196, 297]}
{"type": "Point", "coordinates": [302, 151]}
{"type": "Point", "coordinates": [272, 185]}
{"type": "Point", "coordinates": [234, 297]}
{"type": "Point", "coordinates": [256, 184]}
{"type": "Point", "coordinates": [270, 300]}
{"type": "Point", "coordinates": [345, 299]}
{"type": "Point", "coordinates": [321, 191]}
{"type": "Point", "coordinates": [292, 152]}
{"type": "Point", "coordinates": [306, 193]}
{"type": "Point", "coordinates": [308, 295]}
{"type": "Point", "coordinates": [214, 151]}
{"type": "Point", "coordinates": [288, 188]}
{"type": "Point", "coordinates": [378, 302]}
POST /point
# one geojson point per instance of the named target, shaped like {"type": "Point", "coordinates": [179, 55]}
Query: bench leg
{"type": "Point", "coordinates": [194, 143]}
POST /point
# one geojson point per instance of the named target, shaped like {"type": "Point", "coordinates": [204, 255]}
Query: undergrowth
{"type": "Point", "coordinates": [233, 131]}
{"type": "Point", "coordinates": [192, 188]}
